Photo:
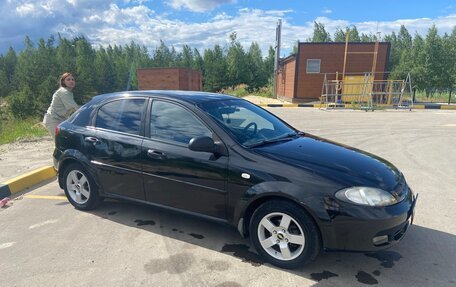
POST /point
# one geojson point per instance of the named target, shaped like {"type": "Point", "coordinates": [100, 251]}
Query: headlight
{"type": "Point", "coordinates": [366, 196]}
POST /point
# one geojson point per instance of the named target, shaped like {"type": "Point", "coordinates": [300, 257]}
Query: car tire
{"type": "Point", "coordinates": [284, 234]}
{"type": "Point", "coordinates": [80, 188]}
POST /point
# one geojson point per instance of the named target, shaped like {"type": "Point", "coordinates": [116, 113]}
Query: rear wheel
{"type": "Point", "coordinates": [80, 188]}
{"type": "Point", "coordinates": [284, 234]}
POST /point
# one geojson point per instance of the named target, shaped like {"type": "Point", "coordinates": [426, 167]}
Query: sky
{"type": "Point", "coordinates": [203, 23]}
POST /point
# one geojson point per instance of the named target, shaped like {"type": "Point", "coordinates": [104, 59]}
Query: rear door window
{"type": "Point", "coordinates": [122, 115]}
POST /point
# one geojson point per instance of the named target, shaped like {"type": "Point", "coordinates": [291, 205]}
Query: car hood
{"type": "Point", "coordinates": [343, 164]}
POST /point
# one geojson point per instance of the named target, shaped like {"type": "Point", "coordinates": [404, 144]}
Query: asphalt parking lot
{"type": "Point", "coordinates": [44, 241]}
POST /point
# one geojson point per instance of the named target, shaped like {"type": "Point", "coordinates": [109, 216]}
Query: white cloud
{"type": "Point", "coordinates": [221, 16]}
{"type": "Point", "coordinates": [421, 26]}
{"type": "Point", "coordinates": [26, 9]}
{"type": "Point", "coordinates": [111, 22]}
{"type": "Point", "coordinates": [198, 5]}
{"type": "Point", "coordinates": [140, 2]}
{"type": "Point", "coordinates": [278, 13]}
{"type": "Point", "coordinates": [326, 11]}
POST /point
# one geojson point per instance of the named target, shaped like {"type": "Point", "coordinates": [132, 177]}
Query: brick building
{"type": "Point", "coordinates": [300, 77]}
{"type": "Point", "coordinates": [169, 79]}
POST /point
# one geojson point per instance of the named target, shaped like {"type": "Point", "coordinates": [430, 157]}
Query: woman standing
{"type": "Point", "coordinates": [62, 105]}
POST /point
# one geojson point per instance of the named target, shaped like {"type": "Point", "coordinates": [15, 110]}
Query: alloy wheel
{"type": "Point", "coordinates": [281, 236]}
{"type": "Point", "coordinates": [78, 186]}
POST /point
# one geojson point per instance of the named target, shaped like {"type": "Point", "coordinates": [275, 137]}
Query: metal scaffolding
{"type": "Point", "coordinates": [363, 92]}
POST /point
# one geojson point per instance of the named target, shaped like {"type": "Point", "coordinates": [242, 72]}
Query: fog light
{"type": "Point", "coordinates": [379, 240]}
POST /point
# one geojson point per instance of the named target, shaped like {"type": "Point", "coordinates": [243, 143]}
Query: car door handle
{"type": "Point", "coordinates": [92, 140]}
{"type": "Point", "coordinates": [156, 154]}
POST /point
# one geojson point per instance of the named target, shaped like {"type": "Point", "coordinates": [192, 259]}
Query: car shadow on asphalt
{"type": "Point", "coordinates": [425, 257]}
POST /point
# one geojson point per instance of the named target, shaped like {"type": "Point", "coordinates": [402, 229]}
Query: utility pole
{"type": "Point", "coordinates": [277, 54]}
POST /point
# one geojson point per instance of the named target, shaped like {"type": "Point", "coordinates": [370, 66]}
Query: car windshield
{"type": "Point", "coordinates": [250, 125]}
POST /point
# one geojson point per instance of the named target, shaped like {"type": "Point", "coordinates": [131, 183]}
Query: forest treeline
{"type": "Point", "coordinates": [29, 77]}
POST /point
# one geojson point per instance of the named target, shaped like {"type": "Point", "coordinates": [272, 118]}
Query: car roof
{"type": "Point", "coordinates": [193, 97]}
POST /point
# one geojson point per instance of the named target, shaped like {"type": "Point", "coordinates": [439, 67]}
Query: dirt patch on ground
{"type": "Point", "coordinates": [24, 156]}
{"type": "Point", "coordinates": [263, 100]}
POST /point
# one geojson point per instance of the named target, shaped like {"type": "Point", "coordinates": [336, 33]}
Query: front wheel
{"type": "Point", "coordinates": [80, 188]}
{"type": "Point", "coordinates": [284, 234]}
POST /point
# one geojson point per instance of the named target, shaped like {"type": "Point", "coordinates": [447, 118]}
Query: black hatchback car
{"type": "Point", "coordinates": [227, 159]}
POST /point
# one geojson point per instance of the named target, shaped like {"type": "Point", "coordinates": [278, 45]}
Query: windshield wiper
{"type": "Point", "coordinates": [287, 137]}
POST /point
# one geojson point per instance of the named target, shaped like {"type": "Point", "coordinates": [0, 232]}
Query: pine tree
{"type": "Point", "coordinates": [85, 67]}
{"type": "Point", "coordinates": [215, 66]}
{"type": "Point", "coordinates": [320, 34]}
{"type": "Point", "coordinates": [339, 35]}
{"type": "Point", "coordinates": [187, 57]}
{"type": "Point", "coordinates": [434, 61]}
{"type": "Point", "coordinates": [104, 72]}
{"type": "Point", "coordinates": [269, 63]}
{"type": "Point", "coordinates": [418, 56]}
{"type": "Point", "coordinates": [10, 62]}
{"type": "Point", "coordinates": [353, 35]}
{"type": "Point", "coordinates": [257, 77]}
{"type": "Point", "coordinates": [236, 63]}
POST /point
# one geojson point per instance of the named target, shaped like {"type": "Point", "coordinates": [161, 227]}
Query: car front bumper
{"type": "Point", "coordinates": [363, 228]}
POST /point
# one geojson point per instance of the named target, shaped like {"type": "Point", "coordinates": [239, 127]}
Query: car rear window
{"type": "Point", "coordinates": [121, 115]}
{"type": "Point", "coordinates": [81, 117]}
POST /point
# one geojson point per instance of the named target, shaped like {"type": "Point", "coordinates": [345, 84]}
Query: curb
{"type": "Point", "coordinates": [27, 180]}
{"type": "Point", "coordinates": [418, 106]}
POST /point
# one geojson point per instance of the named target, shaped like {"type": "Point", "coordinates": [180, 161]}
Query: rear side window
{"type": "Point", "coordinates": [174, 123]}
{"type": "Point", "coordinates": [81, 117]}
{"type": "Point", "coordinates": [122, 115]}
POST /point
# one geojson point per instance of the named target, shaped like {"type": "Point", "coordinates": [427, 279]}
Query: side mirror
{"type": "Point", "coordinates": [205, 144]}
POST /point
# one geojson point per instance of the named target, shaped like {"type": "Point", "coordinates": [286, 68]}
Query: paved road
{"type": "Point", "coordinates": [45, 242]}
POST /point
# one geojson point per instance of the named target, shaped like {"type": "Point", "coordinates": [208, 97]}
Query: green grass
{"type": "Point", "coordinates": [435, 97]}
{"type": "Point", "coordinates": [14, 129]}
{"type": "Point", "coordinates": [241, 91]}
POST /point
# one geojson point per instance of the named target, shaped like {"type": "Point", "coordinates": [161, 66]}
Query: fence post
{"type": "Point", "coordinates": [449, 97]}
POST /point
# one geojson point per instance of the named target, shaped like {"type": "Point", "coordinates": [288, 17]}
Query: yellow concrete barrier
{"type": "Point", "coordinates": [30, 179]}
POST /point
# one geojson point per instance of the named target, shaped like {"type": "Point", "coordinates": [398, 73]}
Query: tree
{"type": "Point", "coordinates": [104, 71]}
{"type": "Point", "coordinates": [404, 39]}
{"type": "Point", "coordinates": [66, 55]}
{"type": "Point", "coordinates": [320, 34]}
{"type": "Point", "coordinates": [257, 77]}
{"type": "Point", "coordinates": [19, 103]}
{"type": "Point", "coordinates": [10, 61]}
{"type": "Point", "coordinates": [449, 63]}
{"type": "Point", "coordinates": [186, 60]}
{"type": "Point", "coordinates": [452, 58]}
{"type": "Point", "coordinates": [394, 51]}
{"type": "Point", "coordinates": [418, 56]}
{"type": "Point", "coordinates": [236, 63]}
{"type": "Point", "coordinates": [85, 59]}
{"type": "Point", "coordinates": [198, 62]}
{"type": "Point", "coordinates": [269, 63]}
{"type": "Point", "coordinates": [368, 38]}
{"type": "Point", "coordinates": [163, 57]}
{"type": "Point", "coordinates": [215, 67]}
{"type": "Point", "coordinates": [121, 68]}
{"type": "Point", "coordinates": [339, 35]}
{"type": "Point", "coordinates": [353, 35]}
{"type": "Point", "coordinates": [434, 61]}
{"type": "Point", "coordinates": [4, 83]}
{"type": "Point", "coordinates": [46, 65]}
